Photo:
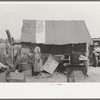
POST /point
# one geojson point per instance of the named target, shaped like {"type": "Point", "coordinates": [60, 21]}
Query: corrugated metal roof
{"type": "Point", "coordinates": [66, 32]}
{"type": "Point", "coordinates": [56, 31]}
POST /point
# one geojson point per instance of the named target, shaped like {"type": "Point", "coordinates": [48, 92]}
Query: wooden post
{"type": "Point", "coordinates": [12, 55]}
{"type": "Point", "coordinates": [87, 56]}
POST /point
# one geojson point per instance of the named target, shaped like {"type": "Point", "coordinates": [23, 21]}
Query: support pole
{"type": "Point", "coordinates": [12, 56]}
{"type": "Point", "coordinates": [87, 56]}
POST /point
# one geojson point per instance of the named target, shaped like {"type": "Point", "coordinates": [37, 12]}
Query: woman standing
{"type": "Point", "coordinates": [38, 67]}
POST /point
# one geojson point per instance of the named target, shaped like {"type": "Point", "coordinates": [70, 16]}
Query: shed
{"type": "Point", "coordinates": [60, 35]}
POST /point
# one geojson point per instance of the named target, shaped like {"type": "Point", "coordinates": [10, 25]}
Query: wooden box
{"type": "Point", "coordinates": [17, 77]}
{"type": "Point", "coordinates": [50, 65]}
{"type": "Point", "coordinates": [2, 77]}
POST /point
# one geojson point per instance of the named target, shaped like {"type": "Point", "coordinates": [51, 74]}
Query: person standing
{"type": "Point", "coordinates": [38, 67]}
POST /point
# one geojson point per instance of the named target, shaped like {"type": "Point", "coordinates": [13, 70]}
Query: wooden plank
{"type": "Point", "coordinates": [87, 56]}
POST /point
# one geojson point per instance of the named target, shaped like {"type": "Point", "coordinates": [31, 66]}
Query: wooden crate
{"type": "Point", "coordinates": [3, 77]}
{"type": "Point", "coordinates": [17, 77]}
{"type": "Point", "coordinates": [27, 72]}
{"type": "Point", "coordinates": [26, 66]}
{"type": "Point", "coordinates": [50, 65]}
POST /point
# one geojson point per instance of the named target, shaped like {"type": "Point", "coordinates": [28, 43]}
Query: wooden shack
{"type": "Point", "coordinates": [61, 36]}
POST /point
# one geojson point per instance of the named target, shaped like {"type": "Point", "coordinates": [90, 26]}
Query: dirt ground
{"type": "Point", "coordinates": [93, 72]}
{"type": "Point", "coordinates": [56, 77]}
{"type": "Point", "coordinates": [94, 75]}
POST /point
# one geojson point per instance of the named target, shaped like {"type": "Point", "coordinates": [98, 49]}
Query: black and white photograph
{"type": "Point", "coordinates": [49, 49]}
{"type": "Point", "coordinates": [49, 42]}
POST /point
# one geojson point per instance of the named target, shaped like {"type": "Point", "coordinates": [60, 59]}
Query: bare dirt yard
{"type": "Point", "coordinates": [94, 75]}
{"type": "Point", "coordinates": [56, 77]}
{"type": "Point", "coordinates": [93, 72]}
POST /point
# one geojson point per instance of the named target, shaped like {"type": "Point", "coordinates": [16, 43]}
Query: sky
{"type": "Point", "coordinates": [13, 13]}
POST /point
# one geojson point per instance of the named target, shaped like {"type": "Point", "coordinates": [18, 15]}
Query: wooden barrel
{"type": "Point", "coordinates": [75, 57]}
